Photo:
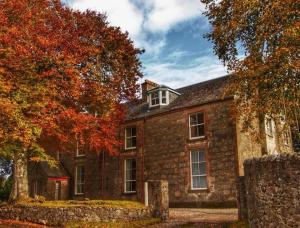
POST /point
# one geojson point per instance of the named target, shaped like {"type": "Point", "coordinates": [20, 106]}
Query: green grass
{"type": "Point", "coordinates": [88, 203]}
{"type": "Point", "coordinates": [119, 224]}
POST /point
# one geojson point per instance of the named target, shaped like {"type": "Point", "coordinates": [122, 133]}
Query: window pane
{"type": "Point", "coordinates": [164, 100]}
{"type": "Point", "coordinates": [128, 143]}
{"type": "Point", "coordinates": [128, 187]}
{"type": "Point", "coordinates": [133, 131]}
{"type": "Point", "coordinates": [202, 181]}
{"type": "Point", "coordinates": [194, 131]}
{"type": "Point", "coordinates": [195, 169]}
{"type": "Point", "coordinates": [200, 118]}
{"type": "Point", "coordinates": [194, 156]}
{"type": "Point", "coordinates": [202, 168]}
{"type": "Point", "coordinates": [196, 182]}
{"type": "Point", "coordinates": [130, 175]}
{"type": "Point", "coordinates": [133, 186]}
{"type": "Point", "coordinates": [200, 130]}
{"type": "Point", "coordinates": [128, 164]}
{"type": "Point", "coordinates": [133, 142]}
{"type": "Point", "coordinates": [128, 132]}
{"type": "Point", "coordinates": [201, 156]}
{"type": "Point", "coordinates": [193, 120]}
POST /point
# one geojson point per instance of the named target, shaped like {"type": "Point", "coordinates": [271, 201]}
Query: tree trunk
{"type": "Point", "coordinates": [20, 178]}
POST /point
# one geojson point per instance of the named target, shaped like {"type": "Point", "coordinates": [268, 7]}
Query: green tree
{"type": "Point", "coordinates": [258, 40]}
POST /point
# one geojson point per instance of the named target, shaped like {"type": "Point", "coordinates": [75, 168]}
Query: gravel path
{"type": "Point", "coordinates": [198, 217]}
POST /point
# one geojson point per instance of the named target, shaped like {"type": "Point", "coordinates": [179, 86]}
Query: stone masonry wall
{"type": "Point", "coordinates": [164, 145]}
{"type": "Point", "coordinates": [54, 216]}
{"type": "Point", "coordinates": [272, 186]}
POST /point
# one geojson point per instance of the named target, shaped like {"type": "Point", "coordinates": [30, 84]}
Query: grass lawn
{"type": "Point", "coordinates": [89, 203]}
{"type": "Point", "coordinates": [119, 224]}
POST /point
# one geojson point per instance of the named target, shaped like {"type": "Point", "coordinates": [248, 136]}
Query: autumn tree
{"type": "Point", "coordinates": [259, 43]}
{"type": "Point", "coordinates": [64, 75]}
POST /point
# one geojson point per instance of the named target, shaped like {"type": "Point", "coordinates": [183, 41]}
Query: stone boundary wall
{"type": "Point", "coordinates": [58, 216]}
{"type": "Point", "coordinates": [158, 196]}
{"type": "Point", "coordinates": [272, 188]}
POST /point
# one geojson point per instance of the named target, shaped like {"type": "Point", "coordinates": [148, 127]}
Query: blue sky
{"type": "Point", "coordinates": [170, 31]}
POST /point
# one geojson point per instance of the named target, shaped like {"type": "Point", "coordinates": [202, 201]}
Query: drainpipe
{"type": "Point", "coordinates": [143, 158]}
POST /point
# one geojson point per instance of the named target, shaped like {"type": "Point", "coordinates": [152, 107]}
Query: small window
{"type": "Point", "coordinates": [164, 97]}
{"type": "Point", "coordinates": [79, 179]}
{"type": "Point", "coordinates": [197, 125]}
{"type": "Point", "coordinates": [130, 175]}
{"type": "Point", "coordinates": [269, 127]}
{"type": "Point", "coordinates": [155, 98]}
{"type": "Point", "coordinates": [79, 149]}
{"type": "Point", "coordinates": [130, 138]}
{"type": "Point", "coordinates": [198, 170]}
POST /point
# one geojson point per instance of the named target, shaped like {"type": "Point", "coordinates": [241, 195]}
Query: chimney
{"type": "Point", "coordinates": [147, 85]}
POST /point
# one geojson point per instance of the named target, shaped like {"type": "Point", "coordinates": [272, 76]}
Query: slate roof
{"type": "Point", "coordinates": [193, 95]}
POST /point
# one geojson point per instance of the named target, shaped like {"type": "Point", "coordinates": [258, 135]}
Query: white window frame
{"type": "Point", "coordinates": [125, 179]}
{"type": "Point", "coordinates": [78, 150]}
{"type": "Point", "coordinates": [201, 175]}
{"type": "Point", "coordinates": [130, 148]}
{"type": "Point", "coordinates": [160, 98]}
{"type": "Point", "coordinates": [156, 98]}
{"type": "Point", "coordinates": [76, 180]}
{"type": "Point", "coordinates": [190, 126]}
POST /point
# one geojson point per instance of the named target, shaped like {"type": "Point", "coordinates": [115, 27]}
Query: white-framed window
{"type": "Point", "coordinates": [198, 169]}
{"type": "Point", "coordinates": [154, 98]}
{"type": "Point", "coordinates": [196, 125]}
{"type": "Point", "coordinates": [164, 97]}
{"type": "Point", "coordinates": [79, 179]}
{"type": "Point", "coordinates": [130, 176]}
{"type": "Point", "coordinates": [269, 127]}
{"type": "Point", "coordinates": [79, 149]}
{"type": "Point", "coordinates": [130, 137]}
{"type": "Point", "coordinates": [158, 97]}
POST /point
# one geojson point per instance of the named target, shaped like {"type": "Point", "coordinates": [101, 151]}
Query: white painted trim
{"type": "Point", "coordinates": [125, 139]}
{"type": "Point", "coordinates": [190, 132]}
{"type": "Point", "coordinates": [77, 150]}
{"type": "Point", "coordinates": [125, 176]}
{"type": "Point", "coordinates": [191, 172]}
{"type": "Point", "coordinates": [75, 190]}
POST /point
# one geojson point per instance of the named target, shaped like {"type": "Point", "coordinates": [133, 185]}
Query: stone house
{"type": "Point", "coordinates": [187, 136]}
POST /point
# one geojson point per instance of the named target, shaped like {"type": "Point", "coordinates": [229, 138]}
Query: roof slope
{"type": "Point", "coordinates": [196, 94]}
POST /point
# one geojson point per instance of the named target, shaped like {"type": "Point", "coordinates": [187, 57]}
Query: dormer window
{"type": "Point", "coordinates": [164, 97]}
{"type": "Point", "coordinates": [158, 97]}
{"type": "Point", "coordinates": [155, 98]}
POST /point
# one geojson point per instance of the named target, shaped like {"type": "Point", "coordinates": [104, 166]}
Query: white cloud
{"type": "Point", "coordinates": [120, 13]}
{"type": "Point", "coordinates": [164, 14]}
{"type": "Point", "coordinates": [202, 69]}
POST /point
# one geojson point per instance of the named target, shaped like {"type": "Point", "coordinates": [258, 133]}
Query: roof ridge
{"type": "Point", "coordinates": [203, 82]}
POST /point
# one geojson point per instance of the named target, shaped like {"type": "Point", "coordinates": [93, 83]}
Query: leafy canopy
{"type": "Point", "coordinates": [63, 76]}
{"type": "Point", "coordinates": [259, 42]}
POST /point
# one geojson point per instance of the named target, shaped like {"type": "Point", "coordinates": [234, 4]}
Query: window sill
{"type": "Point", "coordinates": [80, 156]}
{"type": "Point", "coordinates": [129, 193]}
{"type": "Point", "coordinates": [79, 194]}
{"type": "Point", "coordinates": [197, 138]}
{"type": "Point", "coordinates": [130, 148]}
{"type": "Point", "coordinates": [198, 190]}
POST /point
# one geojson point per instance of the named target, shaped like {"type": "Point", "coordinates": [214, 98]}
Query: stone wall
{"type": "Point", "coordinates": [272, 185]}
{"type": "Point", "coordinates": [163, 153]}
{"type": "Point", "coordinates": [158, 197]}
{"type": "Point", "coordinates": [58, 216]}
